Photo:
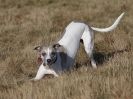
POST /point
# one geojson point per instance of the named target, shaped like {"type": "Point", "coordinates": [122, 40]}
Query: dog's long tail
{"type": "Point", "coordinates": [111, 27]}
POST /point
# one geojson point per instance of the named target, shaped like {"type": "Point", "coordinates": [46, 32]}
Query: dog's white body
{"type": "Point", "coordinates": [70, 41]}
{"type": "Point", "coordinates": [71, 38]}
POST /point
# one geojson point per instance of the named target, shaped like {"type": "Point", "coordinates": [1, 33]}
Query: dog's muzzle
{"type": "Point", "coordinates": [51, 61]}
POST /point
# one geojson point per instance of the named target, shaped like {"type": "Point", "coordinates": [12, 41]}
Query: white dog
{"type": "Point", "coordinates": [61, 56]}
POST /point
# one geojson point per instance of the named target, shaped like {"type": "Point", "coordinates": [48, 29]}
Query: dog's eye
{"type": "Point", "coordinates": [43, 54]}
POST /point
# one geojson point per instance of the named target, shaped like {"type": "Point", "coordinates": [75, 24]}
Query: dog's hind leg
{"type": "Point", "coordinates": [88, 41]}
{"type": "Point", "coordinates": [89, 50]}
{"type": "Point", "coordinates": [93, 62]}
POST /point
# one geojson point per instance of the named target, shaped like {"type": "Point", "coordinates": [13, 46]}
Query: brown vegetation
{"type": "Point", "coordinates": [27, 23]}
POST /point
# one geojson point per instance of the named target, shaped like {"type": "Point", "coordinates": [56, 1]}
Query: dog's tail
{"type": "Point", "coordinates": [111, 27]}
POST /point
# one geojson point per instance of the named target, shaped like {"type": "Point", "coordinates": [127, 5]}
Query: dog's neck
{"type": "Point", "coordinates": [56, 65]}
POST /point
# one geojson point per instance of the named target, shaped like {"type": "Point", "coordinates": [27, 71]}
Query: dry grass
{"type": "Point", "coordinates": [27, 23]}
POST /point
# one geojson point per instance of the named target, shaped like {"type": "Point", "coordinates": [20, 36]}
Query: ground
{"type": "Point", "coordinates": [25, 24]}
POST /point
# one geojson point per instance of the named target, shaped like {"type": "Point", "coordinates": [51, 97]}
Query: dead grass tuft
{"type": "Point", "coordinates": [25, 24]}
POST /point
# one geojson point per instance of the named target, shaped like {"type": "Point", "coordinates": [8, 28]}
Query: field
{"type": "Point", "coordinates": [25, 24]}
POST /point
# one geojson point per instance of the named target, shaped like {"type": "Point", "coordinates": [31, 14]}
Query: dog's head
{"type": "Point", "coordinates": [48, 55]}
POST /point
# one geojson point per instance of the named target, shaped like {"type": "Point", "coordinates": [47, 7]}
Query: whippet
{"type": "Point", "coordinates": [61, 56]}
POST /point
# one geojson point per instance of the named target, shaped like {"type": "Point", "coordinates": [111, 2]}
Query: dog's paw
{"type": "Point", "coordinates": [34, 79]}
{"type": "Point", "coordinates": [56, 75]}
{"type": "Point", "coordinates": [94, 65]}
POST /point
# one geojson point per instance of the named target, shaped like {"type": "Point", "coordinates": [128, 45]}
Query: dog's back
{"type": "Point", "coordinates": [71, 39]}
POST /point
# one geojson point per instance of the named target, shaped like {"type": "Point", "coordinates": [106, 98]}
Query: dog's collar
{"type": "Point", "coordinates": [54, 60]}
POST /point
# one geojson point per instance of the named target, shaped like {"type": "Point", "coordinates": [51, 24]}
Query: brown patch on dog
{"type": "Point", "coordinates": [39, 60]}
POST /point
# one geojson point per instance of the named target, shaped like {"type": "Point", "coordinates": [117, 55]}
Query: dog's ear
{"type": "Point", "coordinates": [37, 48]}
{"type": "Point", "coordinates": [56, 46]}
{"type": "Point", "coordinates": [59, 48]}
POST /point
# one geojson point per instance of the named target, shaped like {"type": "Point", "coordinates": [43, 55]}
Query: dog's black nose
{"type": "Point", "coordinates": [48, 60]}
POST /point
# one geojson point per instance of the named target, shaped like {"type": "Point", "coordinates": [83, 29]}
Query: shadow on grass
{"type": "Point", "coordinates": [101, 57]}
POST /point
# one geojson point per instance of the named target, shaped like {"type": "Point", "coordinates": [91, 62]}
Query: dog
{"type": "Point", "coordinates": [60, 56]}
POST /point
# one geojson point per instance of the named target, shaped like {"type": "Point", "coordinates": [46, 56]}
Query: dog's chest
{"type": "Point", "coordinates": [57, 65]}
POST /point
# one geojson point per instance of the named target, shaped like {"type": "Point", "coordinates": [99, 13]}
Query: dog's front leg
{"type": "Point", "coordinates": [50, 71]}
{"type": "Point", "coordinates": [40, 73]}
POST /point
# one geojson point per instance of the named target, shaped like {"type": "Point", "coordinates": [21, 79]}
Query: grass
{"type": "Point", "coordinates": [25, 24]}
